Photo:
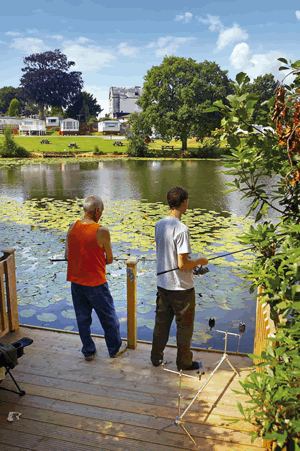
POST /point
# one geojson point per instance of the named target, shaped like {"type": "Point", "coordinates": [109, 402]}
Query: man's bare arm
{"type": "Point", "coordinates": [66, 244]}
{"type": "Point", "coordinates": [103, 239]}
{"type": "Point", "coordinates": [185, 262]}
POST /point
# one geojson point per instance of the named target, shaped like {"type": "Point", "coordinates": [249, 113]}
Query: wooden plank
{"type": "Point", "coordinates": [117, 410]}
{"type": "Point", "coordinates": [135, 432]}
{"type": "Point", "coordinates": [61, 342]}
{"type": "Point", "coordinates": [4, 328]}
{"type": "Point", "coordinates": [11, 289]}
{"type": "Point", "coordinates": [130, 380]}
{"type": "Point", "coordinates": [93, 432]}
{"type": "Point", "coordinates": [131, 302]}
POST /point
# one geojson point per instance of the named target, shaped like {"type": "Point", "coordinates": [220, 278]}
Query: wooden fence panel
{"type": "Point", "coordinates": [9, 317]}
{"type": "Point", "coordinates": [264, 328]}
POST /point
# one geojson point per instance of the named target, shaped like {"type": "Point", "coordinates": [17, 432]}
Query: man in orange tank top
{"type": "Point", "coordinates": [88, 251]}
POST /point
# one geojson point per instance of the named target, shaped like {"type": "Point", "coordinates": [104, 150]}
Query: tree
{"type": "Point", "coordinates": [56, 111]}
{"type": "Point", "coordinates": [140, 129]}
{"type": "Point", "coordinates": [85, 107]}
{"type": "Point", "coordinates": [265, 168]}
{"type": "Point", "coordinates": [176, 93]}
{"type": "Point", "coordinates": [47, 80]}
{"type": "Point", "coordinates": [263, 86]}
{"type": "Point", "coordinates": [7, 94]}
{"type": "Point", "coordinates": [9, 148]}
{"type": "Point", "coordinates": [14, 108]}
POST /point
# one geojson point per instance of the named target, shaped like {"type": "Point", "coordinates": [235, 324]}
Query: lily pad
{"type": "Point", "coordinates": [144, 308]}
{"type": "Point", "coordinates": [70, 314]}
{"type": "Point", "coordinates": [27, 313]}
{"type": "Point", "coordinates": [47, 317]}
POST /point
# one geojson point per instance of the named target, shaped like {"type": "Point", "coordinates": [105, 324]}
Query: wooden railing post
{"type": "Point", "coordinates": [131, 303]}
{"type": "Point", "coordinates": [11, 288]}
{"type": "Point", "coordinates": [264, 327]}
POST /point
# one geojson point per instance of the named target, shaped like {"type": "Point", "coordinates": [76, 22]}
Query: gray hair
{"type": "Point", "coordinates": [90, 204]}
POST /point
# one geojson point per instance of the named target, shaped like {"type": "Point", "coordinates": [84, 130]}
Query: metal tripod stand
{"type": "Point", "coordinates": [178, 421]}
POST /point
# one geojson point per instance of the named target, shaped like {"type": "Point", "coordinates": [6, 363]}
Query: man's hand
{"type": "Point", "coordinates": [185, 262]}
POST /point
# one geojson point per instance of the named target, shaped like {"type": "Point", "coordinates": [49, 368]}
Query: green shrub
{"type": "Point", "coordinates": [9, 148]}
{"type": "Point", "coordinates": [137, 146]}
{"type": "Point", "coordinates": [208, 148]}
{"type": "Point", "coordinates": [97, 151]}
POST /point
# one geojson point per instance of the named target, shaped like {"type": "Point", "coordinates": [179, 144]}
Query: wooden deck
{"type": "Point", "coordinates": [115, 404]}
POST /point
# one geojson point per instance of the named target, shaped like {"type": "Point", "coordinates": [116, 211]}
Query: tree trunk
{"type": "Point", "coordinates": [184, 143]}
{"type": "Point", "coordinates": [41, 111]}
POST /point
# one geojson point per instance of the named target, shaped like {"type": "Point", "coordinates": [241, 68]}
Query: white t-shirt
{"type": "Point", "coordinates": [172, 237]}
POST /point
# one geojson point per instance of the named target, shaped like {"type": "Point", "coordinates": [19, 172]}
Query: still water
{"type": "Point", "coordinates": [121, 180]}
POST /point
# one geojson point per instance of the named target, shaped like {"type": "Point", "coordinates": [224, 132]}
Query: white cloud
{"type": "Point", "coordinates": [257, 64]}
{"type": "Point", "coordinates": [29, 45]}
{"type": "Point", "coordinates": [13, 33]}
{"type": "Point", "coordinates": [59, 37]}
{"type": "Point", "coordinates": [241, 56]}
{"type": "Point", "coordinates": [186, 17]}
{"type": "Point", "coordinates": [101, 93]}
{"type": "Point", "coordinates": [32, 30]}
{"type": "Point", "coordinates": [298, 15]}
{"type": "Point", "coordinates": [127, 50]}
{"type": "Point", "coordinates": [228, 36]}
{"type": "Point", "coordinates": [213, 22]}
{"type": "Point", "coordinates": [168, 45]}
{"type": "Point", "coordinates": [87, 58]}
{"type": "Point", "coordinates": [82, 40]}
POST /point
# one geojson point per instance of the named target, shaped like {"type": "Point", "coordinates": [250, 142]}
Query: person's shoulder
{"type": "Point", "coordinates": [181, 227]}
{"type": "Point", "coordinates": [71, 226]}
{"type": "Point", "coordinates": [102, 231]}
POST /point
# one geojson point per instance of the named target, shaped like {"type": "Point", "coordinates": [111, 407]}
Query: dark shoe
{"type": "Point", "coordinates": [156, 362]}
{"type": "Point", "coordinates": [122, 349]}
{"type": "Point", "coordinates": [194, 366]}
{"type": "Point", "coordinates": [90, 357]}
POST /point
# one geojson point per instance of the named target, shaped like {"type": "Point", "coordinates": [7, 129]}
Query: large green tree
{"type": "Point", "coordinates": [7, 94]}
{"type": "Point", "coordinates": [14, 108]}
{"type": "Point", "coordinates": [263, 87]}
{"type": "Point", "coordinates": [47, 80]}
{"type": "Point", "coordinates": [176, 93]}
{"type": "Point", "coordinates": [85, 107]}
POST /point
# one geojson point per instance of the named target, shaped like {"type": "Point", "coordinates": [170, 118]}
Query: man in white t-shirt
{"type": "Point", "coordinates": [175, 284]}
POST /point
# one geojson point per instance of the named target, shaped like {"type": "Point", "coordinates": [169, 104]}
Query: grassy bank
{"type": "Point", "coordinates": [59, 144]}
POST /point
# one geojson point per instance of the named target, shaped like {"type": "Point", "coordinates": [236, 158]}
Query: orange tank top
{"type": "Point", "coordinates": [86, 259]}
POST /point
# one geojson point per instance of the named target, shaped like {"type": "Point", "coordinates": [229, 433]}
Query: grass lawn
{"type": "Point", "coordinates": [87, 144]}
{"type": "Point", "coordinates": [59, 143]}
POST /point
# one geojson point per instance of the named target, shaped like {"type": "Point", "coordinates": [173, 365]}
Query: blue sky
{"type": "Point", "coordinates": [114, 44]}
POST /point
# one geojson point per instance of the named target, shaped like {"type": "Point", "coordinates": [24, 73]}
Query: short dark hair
{"type": "Point", "coordinates": [176, 196]}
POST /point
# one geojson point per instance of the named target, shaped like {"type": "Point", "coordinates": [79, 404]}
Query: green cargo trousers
{"type": "Point", "coordinates": [180, 304]}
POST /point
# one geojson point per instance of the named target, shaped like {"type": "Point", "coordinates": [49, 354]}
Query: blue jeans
{"type": "Point", "coordinates": [85, 299]}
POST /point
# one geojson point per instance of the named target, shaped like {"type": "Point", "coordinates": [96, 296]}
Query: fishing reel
{"type": "Point", "coordinates": [200, 270]}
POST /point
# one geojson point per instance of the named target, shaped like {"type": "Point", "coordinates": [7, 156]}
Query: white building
{"type": "Point", "coordinates": [32, 127]}
{"type": "Point", "coordinates": [69, 127]}
{"type": "Point", "coordinates": [109, 127]}
{"type": "Point", "coordinates": [53, 121]}
{"type": "Point", "coordinates": [8, 121]}
{"type": "Point", "coordinates": [122, 100]}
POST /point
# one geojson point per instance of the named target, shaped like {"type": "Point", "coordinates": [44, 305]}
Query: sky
{"type": "Point", "coordinates": [115, 43]}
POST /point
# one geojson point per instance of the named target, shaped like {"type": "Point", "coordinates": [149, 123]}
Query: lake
{"type": "Point", "coordinates": [38, 201]}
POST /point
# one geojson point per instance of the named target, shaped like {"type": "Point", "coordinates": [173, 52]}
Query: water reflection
{"type": "Point", "coordinates": [120, 180]}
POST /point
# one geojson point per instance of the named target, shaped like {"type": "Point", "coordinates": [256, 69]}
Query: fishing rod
{"type": "Point", "coordinates": [196, 270]}
{"type": "Point", "coordinates": [204, 270]}
{"type": "Point", "coordinates": [117, 259]}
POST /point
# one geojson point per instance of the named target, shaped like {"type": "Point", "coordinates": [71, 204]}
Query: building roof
{"type": "Point", "coordinates": [126, 92]}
